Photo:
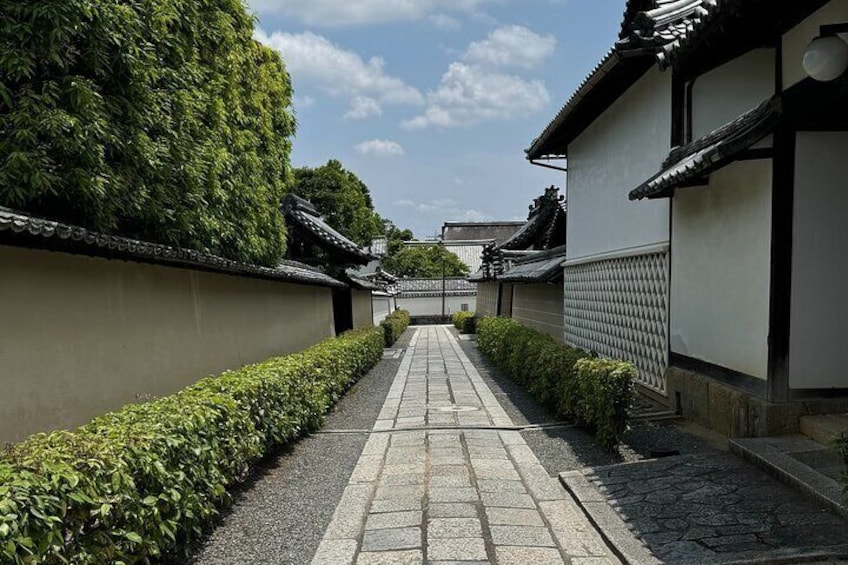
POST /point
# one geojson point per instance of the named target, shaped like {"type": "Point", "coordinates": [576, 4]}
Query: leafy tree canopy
{"type": "Point", "coordinates": [342, 198]}
{"type": "Point", "coordinates": [395, 237]}
{"type": "Point", "coordinates": [162, 120]}
{"type": "Point", "coordinates": [425, 262]}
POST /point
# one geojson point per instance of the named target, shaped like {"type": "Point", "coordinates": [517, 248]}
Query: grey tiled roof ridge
{"type": "Point", "coordinates": [307, 216]}
{"type": "Point", "coordinates": [543, 255]}
{"type": "Point", "coordinates": [420, 286]}
{"type": "Point", "coordinates": [320, 229]}
{"type": "Point", "coordinates": [543, 216]}
{"type": "Point", "coordinates": [713, 150]}
{"type": "Point", "coordinates": [664, 50]}
{"type": "Point", "coordinates": [100, 244]}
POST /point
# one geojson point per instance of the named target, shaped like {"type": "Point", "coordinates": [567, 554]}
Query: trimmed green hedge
{"type": "Point", "coordinates": [465, 322]}
{"type": "Point", "coordinates": [148, 480]}
{"type": "Point", "coordinates": [595, 393]}
{"type": "Point", "coordinates": [394, 325]}
{"type": "Point", "coordinates": [162, 120]}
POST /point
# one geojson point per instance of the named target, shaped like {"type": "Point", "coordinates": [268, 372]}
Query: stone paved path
{"type": "Point", "coordinates": [698, 509]}
{"type": "Point", "coordinates": [441, 481]}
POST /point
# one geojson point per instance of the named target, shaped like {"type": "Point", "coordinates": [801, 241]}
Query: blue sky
{"type": "Point", "coordinates": [432, 102]}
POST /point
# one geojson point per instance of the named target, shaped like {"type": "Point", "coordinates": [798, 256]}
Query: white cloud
{"type": "Point", "coordinates": [380, 148]}
{"type": "Point", "coordinates": [362, 107]}
{"type": "Point", "coordinates": [511, 46]}
{"type": "Point", "coordinates": [469, 94]}
{"type": "Point", "coordinates": [444, 22]}
{"type": "Point", "coordinates": [303, 102]}
{"type": "Point", "coordinates": [315, 61]}
{"type": "Point", "coordinates": [332, 13]}
{"type": "Point", "coordinates": [446, 209]}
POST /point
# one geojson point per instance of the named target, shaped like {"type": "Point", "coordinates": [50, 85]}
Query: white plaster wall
{"type": "Point", "coordinates": [795, 41]}
{"type": "Point", "coordinates": [725, 93]}
{"type": "Point", "coordinates": [382, 308]}
{"type": "Point", "coordinates": [720, 268]}
{"type": "Point", "coordinates": [432, 305]}
{"type": "Point", "coordinates": [363, 313]}
{"type": "Point", "coordinates": [623, 148]}
{"type": "Point", "coordinates": [540, 306]}
{"type": "Point", "coordinates": [83, 336]}
{"type": "Point", "coordinates": [820, 263]}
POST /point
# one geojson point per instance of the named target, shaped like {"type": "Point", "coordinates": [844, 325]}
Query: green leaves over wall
{"type": "Point", "coordinates": [156, 119]}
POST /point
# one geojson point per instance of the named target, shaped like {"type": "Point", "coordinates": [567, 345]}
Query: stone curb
{"type": "Point", "coordinates": [809, 482]}
{"type": "Point", "coordinates": [607, 521]}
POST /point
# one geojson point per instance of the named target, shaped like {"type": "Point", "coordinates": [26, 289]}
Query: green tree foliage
{"type": "Point", "coordinates": [342, 198]}
{"type": "Point", "coordinates": [425, 262]}
{"type": "Point", "coordinates": [156, 119]}
{"type": "Point", "coordinates": [143, 484]}
{"type": "Point", "coordinates": [395, 237]}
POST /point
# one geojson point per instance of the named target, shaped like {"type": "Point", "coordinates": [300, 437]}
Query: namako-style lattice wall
{"type": "Point", "coordinates": [617, 306]}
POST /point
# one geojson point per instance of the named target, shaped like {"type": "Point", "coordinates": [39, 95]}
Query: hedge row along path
{"type": "Point", "coordinates": [466, 488]}
{"type": "Point", "coordinates": [371, 489]}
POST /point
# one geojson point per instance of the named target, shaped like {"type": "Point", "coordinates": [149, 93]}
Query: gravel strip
{"type": "Point", "coordinates": [280, 514]}
{"type": "Point", "coordinates": [568, 449]}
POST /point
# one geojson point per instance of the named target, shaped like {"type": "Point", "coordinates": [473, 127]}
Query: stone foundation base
{"type": "Point", "coordinates": [735, 413]}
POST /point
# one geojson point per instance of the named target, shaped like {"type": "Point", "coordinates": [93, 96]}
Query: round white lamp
{"type": "Point", "coordinates": [826, 58]}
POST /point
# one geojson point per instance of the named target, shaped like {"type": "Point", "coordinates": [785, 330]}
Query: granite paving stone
{"type": "Point", "coordinates": [514, 517]}
{"type": "Point", "coordinates": [522, 535]}
{"type": "Point", "coordinates": [454, 528]}
{"type": "Point", "coordinates": [459, 549]}
{"type": "Point", "coordinates": [393, 520]}
{"type": "Point", "coordinates": [395, 538]}
{"type": "Point", "coordinates": [469, 495]}
{"type": "Point", "coordinates": [413, 557]}
{"type": "Point", "coordinates": [528, 556]}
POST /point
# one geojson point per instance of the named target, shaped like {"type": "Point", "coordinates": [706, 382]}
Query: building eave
{"type": "Point", "coordinates": [20, 229]}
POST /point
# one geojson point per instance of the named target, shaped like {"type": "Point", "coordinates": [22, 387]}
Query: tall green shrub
{"type": "Point", "coordinates": [146, 481]}
{"type": "Point", "coordinates": [594, 393]}
{"type": "Point", "coordinates": [394, 325]}
{"type": "Point", "coordinates": [156, 119]}
{"type": "Point", "coordinates": [465, 322]}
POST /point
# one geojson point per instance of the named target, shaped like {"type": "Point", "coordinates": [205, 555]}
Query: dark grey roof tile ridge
{"type": "Point", "coordinates": [712, 9]}
{"type": "Point", "coordinates": [543, 255]}
{"type": "Point", "coordinates": [18, 222]}
{"type": "Point", "coordinates": [752, 118]}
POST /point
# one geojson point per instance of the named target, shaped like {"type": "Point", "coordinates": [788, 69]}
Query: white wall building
{"type": "Point", "coordinates": [729, 260]}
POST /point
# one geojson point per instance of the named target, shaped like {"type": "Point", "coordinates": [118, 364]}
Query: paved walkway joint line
{"type": "Point", "coordinates": [445, 478]}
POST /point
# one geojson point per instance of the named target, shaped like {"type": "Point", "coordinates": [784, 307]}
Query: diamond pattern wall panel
{"type": "Point", "coordinates": [619, 309]}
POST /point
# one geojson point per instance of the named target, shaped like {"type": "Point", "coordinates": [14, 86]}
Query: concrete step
{"type": "Point", "coordinates": [806, 465]}
{"type": "Point", "coordinates": [824, 428]}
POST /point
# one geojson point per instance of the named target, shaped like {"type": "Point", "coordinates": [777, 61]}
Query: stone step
{"type": "Point", "coordinates": [806, 465]}
{"type": "Point", "coordinates": [824, 428]}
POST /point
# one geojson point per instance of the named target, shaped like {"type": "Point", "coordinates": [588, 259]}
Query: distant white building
{"type": "Point", "coordinates": [424, 298]}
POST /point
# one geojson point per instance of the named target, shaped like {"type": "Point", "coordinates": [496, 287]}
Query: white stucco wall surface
{"type": "Point", "coordinates": [383, 306]}
{"type": "Point", "coordinates": [720, 269]}
{"type": "Point", "coordinates": [795, 41]}
{"type": "Point", "coordinates": [363, 315]}
{"type": "Point", "coordinates": [85, 336]}
{"type": "Point", "coordinates": [819, 312]}
{"type": "Point", "coordinates": [623, 148]}
{"type": "Point", "coordinates": [725, 93]}
{"type": "Point", "coordinates": [432, 305]}
{"type": "Point", "coordinates": [540, 306]}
